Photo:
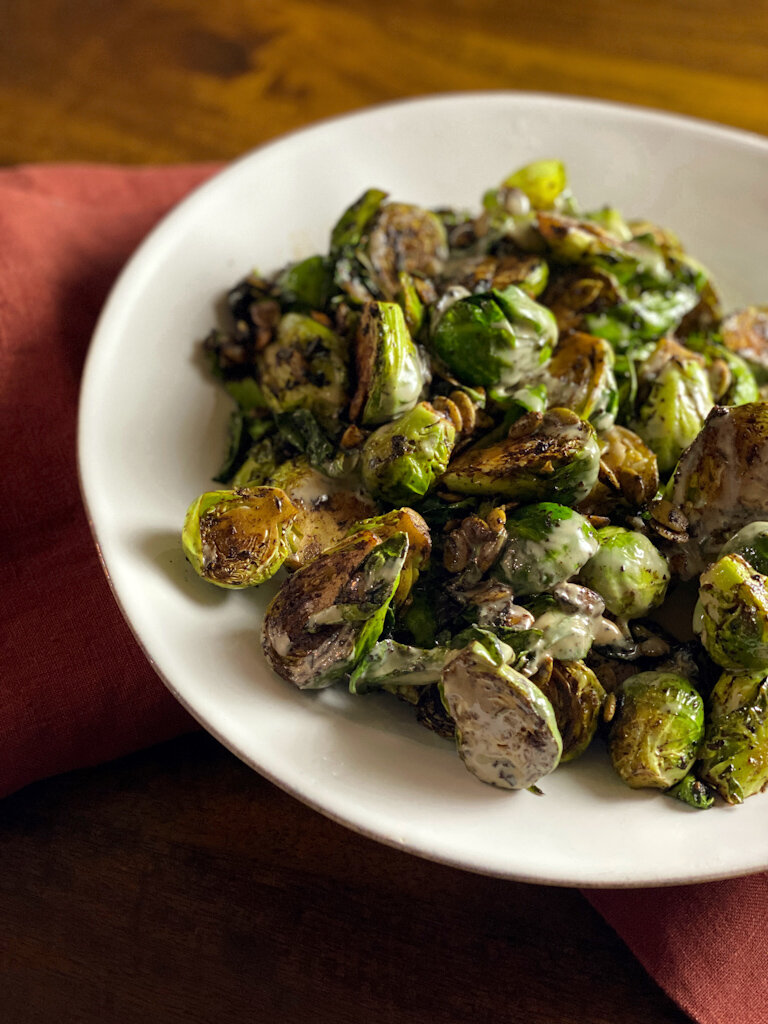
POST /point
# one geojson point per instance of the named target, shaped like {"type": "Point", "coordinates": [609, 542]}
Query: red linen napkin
{"type": "Point", "coordinates": [75, 689]}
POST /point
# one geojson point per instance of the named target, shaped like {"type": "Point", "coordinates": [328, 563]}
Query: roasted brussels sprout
{"type": "Point", "coordinates": [721, 481]}
{"type": "Point", "coordinates": [734, 755]}
{"type": "Point", "coordinates": [549, 457]}
{"type": "Point", "coordinates": [329, 614]}
{"type": "Point", "coordinates": [628, 572]}
{"type": "Point", "coordinates": [657, 730]}
{"type": "Point", "coordinates": [390, 665]}
{"type": "Point", "coordinates": [581, 378]}
{"type": "Point", "coordinates": [403, 520]}
{"type": "Point", "coordinates": [483, 274]}
{"type": "Point", "coordinates": [404, 238]}
{"type": "Point", "coordinates": [390, 371]}
{"type": "Point", "coordinates": [496, 340]}
{"type": "Point", "coordinates": [577, 697]}
{"type": "Point", "coordinates": [543, 183]}
{"type": "Point", "coordinates": [240, 538]}
{"type": "Point", "coordinates": [546, 545]}
{"type": "Point", "coordinates": [506, 732]}
{"type": "Point", "coordinates": [326, 508]}
{"type": "Point", "coordinates": [731, 379]}
{"type": "Point", "coordinates": [402, 460]}
{"type": "Point", "coordinates": [733, 690]}
{"type": "Point", "coordinates": [677, 400]}
{"type": "Point", "coordinates": [305, 368]}
{"type": "Point", "coordinates": [751, 542]}
{"type": "Point", "coordinates": [732, 615]}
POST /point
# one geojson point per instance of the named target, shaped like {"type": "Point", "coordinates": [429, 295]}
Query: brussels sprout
{"type": "Point", "coordinates": [629, 474]}
{"type": "Point", "coordinates": [326, 508]}
{"type": "Point", "coordinates": [258, 466]}
{"type": "Point", "coordinates": [404, 238]}
{"type": "Point", "coordinates": [577, 697]}
{"type": "Point", "coordinates": [305, 368]}
{"type": "Point", "coordinates": [327, 616]}
{"type": "Point", "coordinates": [496, 340]}
{"type": "Point", "coordinates": [306, 285]}
{"type": "Point", "coordinates": [390, 371]}
{"type": "Point", "coordinates": [546, 545]}
{"type": "Point", "coordinates": [732, 615]}
{"type": "Point", "coordinates": [677, 402]}
{"type": "Point", "coordinates": [721, 480]}
{"type": "Point", "coordinates": [733, 690]}
{"type": "Point", "coordinates": [549, 457]}
{"type": "Point", "coordinates": [746, 333]}
{"type": "Point", "coordinates": [734, 755]}
{"type": "Point", "coordinates": [628, 572]}
{"type": "Point", "coordinates": [692, 791]}
{"type": "Point", "coordinates": [581, 378]}
{"type": "Point", "coordinates": [390, 665]}
{"type": "Point", "coordinates": [403, 520]}
{"type": "Point", "coordinates": [350, 227]}
{"type": "Point", "coordinates": [506, 732]}
{"type": "Point", "coordinates": [751, 542]}
{"type": "Point", "coordinates": [656, 731]}
{"type": "Point", "coordinates": [402, 460]}
{"type": "Point", "coordinates": [239, 538]}
{"type": "Point", "coordinates": [578, 240]}
{"type": "Point", "coordinates": [544, 183]}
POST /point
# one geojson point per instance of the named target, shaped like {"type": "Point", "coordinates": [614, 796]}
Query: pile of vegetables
{"type": "Point", "coordinates": [492, 450]}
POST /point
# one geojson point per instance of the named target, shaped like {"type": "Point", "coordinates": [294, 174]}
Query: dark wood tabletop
{"type": "Point", "coordinates": [176, 884]}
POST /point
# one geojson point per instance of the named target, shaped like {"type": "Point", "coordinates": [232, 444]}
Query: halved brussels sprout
{"type": "Point", "coordinates": [329, 614]}
{"type": "Point", "coordinates": [402, 460]}
{"type": "Point", "coordinates": [484, 274]}
{"type": "Point", "coordinates": [327, 508]}
{"type": "Point", "coordinates": [656, 731]}
{"type": "Point", "coordinates": [549, 457]}
{"type": "Point", "coordinates": [580, 377]}
{"type": "Point", "coordinates": [751, 542]}
{"type": "Point", "coordinates": [677, 401]}
{"type": "Point", "coordinates": [734, 755]}
{"type": "Point", "coordinates": [721, 480]}
{"type": "Point", "coordinates": [403, 520]}
{"type": "Point", "coordinates": [546, 545]}
{"type": "Point", "coordinates": [506, 732]}
{"type": "Point", "coordinates": [390, 371]}
{"type": "Point", "coordinates": [733, 690]}
{"type": "Point", "coordinates": [732, 615]}
{"type": "Point", "coordinates": [305, 368]}
{"type": "Point", "coordinates": [577, 698]}
{"type": "Point", "coordinates": [239, 538]}
{"type": "Point", "coordinates": [401, 238]}
{"type": "Point", "coordinates": [628, 572]}
{"type": "Point", "coordinates": [496, 340]}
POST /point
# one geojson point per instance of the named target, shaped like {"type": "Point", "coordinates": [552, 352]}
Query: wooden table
{"type": "Point", "coordinates": [177, 885]}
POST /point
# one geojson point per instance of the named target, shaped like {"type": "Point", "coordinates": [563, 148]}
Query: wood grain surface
{"type": "Point", "coordinates": [176, 885]}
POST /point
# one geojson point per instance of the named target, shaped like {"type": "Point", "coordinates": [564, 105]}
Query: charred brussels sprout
{"type": "Point", "coordinates": [734, 755]}
{"type": "Point", "coordinates": [404, 238]}
{"type": "Point", "coordinates": [403, 520]}
{"type": "Point", "coordinates": [628, 572]}
{"type": "Point", "coordinates": [733, 690]}
{"type": "Point", "coordinates": [496, 340]}
{"type": "Point", "coordinates": [549, 457]}
{"type": "Point", "coordinates": [329, 614]}
{"type": "Point", "coordinates": [577, 697]}
{"type": "Point", "coordinates": [506, 732]}
{"type": "Point", "coordinates": [240, 538]}
{"type": "Point", "coordinates": [546, 545]}
{"type": "Point", "coordinates": [581, 378]}
{"type": "Point", "coordinates": [402, 460]}
{"type": "Point", "coordinates": [483, 274]}
{"type": "Point", "coordinates": [305, 368]}
{"type": "Point", "coordinates": [656, 731]}
{"type": "Point", "coordinates": [732, 615]}
{"type": "Point", "coordinates": [390, 371]}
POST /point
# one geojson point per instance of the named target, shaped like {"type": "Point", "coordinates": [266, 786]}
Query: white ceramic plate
{"type": "Point", "coordinates": [152, 430]}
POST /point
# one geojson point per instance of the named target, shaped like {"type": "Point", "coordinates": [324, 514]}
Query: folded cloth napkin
{"type": "Point", "coordinates": [75, 688]}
